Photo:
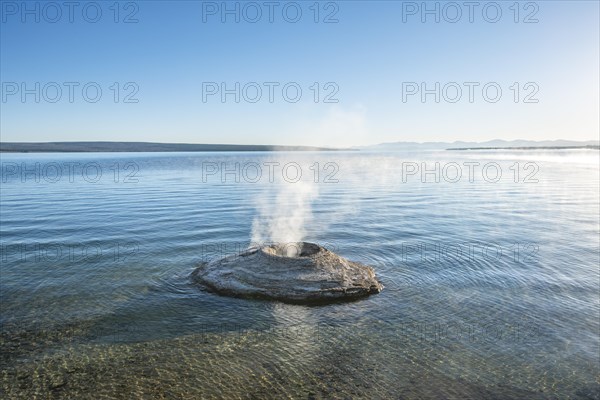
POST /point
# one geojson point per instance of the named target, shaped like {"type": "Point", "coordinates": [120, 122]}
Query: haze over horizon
{"type": "Point", "coordinates": [168, 61]}
{"type": "Point", "coordinates": [565, 142]}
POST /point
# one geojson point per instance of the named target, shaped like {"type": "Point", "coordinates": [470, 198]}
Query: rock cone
{"type": "Point", "coordinates": [299, 272]}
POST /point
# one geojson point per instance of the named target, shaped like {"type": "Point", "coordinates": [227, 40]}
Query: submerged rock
{"type": "Point", "coordinates": [299, 272]}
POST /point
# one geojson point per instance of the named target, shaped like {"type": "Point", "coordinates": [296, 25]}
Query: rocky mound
{"type": "Point", "coordinates": [299, 272]}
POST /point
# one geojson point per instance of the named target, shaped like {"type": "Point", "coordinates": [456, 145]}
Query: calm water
{"type": "Point", "coordinates": [491, 288]}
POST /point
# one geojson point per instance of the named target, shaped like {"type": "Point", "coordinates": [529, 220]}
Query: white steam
{"type": "Point", "coordinates": [284, 211]}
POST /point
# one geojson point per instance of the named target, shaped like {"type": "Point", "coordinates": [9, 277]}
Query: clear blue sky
{"type": "Point", "coordinates": [367, 54]}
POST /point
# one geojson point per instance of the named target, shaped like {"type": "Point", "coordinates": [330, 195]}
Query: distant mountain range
{"type": "Point", "coordinates": [491, 144]}
{"type": "Point", "coordinates": [71, 147]}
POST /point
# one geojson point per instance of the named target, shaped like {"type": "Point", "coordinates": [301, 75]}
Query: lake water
{"type": "Point", "coordinates": [491, 275]}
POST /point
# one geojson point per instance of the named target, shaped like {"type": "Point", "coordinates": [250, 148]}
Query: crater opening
{"type": "Point", "coordinates": [292, 250]}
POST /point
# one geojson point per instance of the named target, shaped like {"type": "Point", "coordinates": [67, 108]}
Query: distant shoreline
{"type": "Point", "coordinates": [142, 147]}
{"type": "Point", "coordinates": [151, 147]}
{"type": "Point", "coordinates": [527, 148]}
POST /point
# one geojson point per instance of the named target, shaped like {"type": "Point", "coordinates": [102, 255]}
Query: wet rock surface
{"type": "Point", "coordinates": [298, 272]}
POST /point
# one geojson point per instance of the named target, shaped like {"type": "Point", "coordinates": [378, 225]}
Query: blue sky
{"type": "Point", "coordinates": [371, 58]}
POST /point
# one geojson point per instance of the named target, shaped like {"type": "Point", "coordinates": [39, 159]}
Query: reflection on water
{"type": "Point", "coordinates": [491, 288]}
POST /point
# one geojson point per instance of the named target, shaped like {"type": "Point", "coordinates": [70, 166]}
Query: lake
{"type": "Point", "coordinates": [490, 262]}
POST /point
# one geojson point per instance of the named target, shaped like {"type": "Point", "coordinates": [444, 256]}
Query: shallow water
{"type": "Point", "coordinates": [491, 288]}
